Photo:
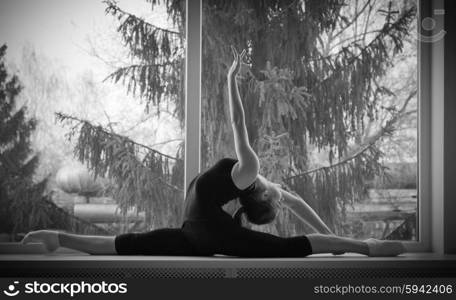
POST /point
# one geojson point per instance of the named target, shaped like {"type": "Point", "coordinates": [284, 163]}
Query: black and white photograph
{"type": "Point", "coordinates": [205, 139]}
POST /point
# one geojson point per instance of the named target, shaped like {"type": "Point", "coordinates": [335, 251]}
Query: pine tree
{"type": "Point", "coordinates": [17, 164]}
{"type": "Point", "coordinates": [24, 206]}
{"type": "Point", "coordinates": [301, 92]}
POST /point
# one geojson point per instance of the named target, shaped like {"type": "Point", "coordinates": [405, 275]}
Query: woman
{"type": "Point", "coordinates": [209, 230]}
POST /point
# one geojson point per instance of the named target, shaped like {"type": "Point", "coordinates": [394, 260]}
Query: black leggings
{"type": "Point", "coordinates": [203, 238]}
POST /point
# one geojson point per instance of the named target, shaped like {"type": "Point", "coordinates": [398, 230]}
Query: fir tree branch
{"type": "Point", "coordinates": [113, 9]}
{"type": "Point", "coordinates": [63, 117]}
{"type": "Point", "coordinates": [386, 30]}
{"type": "Point", "coordinates": [122, 71]}
{"type": "Point", "coordinates": [353, 39]}
{"type": "Point", "coordinates": [150, 182]}
{"type": "Point", "coordinates": [389, 125]}
{"type": "Point", "coordinates": [370, 142]}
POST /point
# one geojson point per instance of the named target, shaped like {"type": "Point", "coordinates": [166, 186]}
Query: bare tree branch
{"type": "Point", "coordinates": [341, 162]}
{"type": "Point", "coordinates": [166, 142]}
{"type": "Point", "coordinates": [353, 20]}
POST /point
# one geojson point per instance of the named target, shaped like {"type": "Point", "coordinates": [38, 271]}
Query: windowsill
{"type": "Point", "coordinates": [69, 263]}
{"type": "Point", "coordinates": [64, 254]}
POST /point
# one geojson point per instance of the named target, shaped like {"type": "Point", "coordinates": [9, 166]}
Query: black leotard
{"type": "Point", "coordinates": [208, 229]}
{"type": "Point", "coordinates": [209, 191]}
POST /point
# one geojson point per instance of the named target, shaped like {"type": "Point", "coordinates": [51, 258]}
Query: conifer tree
{"type": "Point", "coordinates": [24, 206]}
{"type": "Point", "coordinates": [17, 163]}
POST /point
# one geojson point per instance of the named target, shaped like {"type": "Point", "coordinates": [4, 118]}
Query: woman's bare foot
{"type": "Point", "coordinates": [49, 238]}
{"type": "Point", "coordinates": [384, 247]}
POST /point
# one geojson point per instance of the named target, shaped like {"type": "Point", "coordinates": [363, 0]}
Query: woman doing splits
{"type": "Point", "coordinates": [209, 230]}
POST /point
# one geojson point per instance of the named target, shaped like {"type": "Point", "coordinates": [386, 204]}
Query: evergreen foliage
{"type": "Point", "coordinates": [23, 203]}
{"type": "Point", "coordinates": [300, 92]}
{"type": "Point", "coordinates": [17, 163]}
{"type": "Point", "coordinates": [159, 72]}
{"type": "Point", "coordinates": [144, 178]}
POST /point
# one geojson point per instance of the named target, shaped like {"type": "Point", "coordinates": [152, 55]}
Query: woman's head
{"type": "Point", "coordinates": [262, 205]}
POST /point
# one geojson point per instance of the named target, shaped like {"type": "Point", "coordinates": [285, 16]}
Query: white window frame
{"type": "Point", "coordinates": [192, 90]}
{"type": "Point", "coordinates": [430, 135]}
{"type": "Point", "coordinates": [435, 90]}
{"type": "Point", "coordinates": [430, 122]}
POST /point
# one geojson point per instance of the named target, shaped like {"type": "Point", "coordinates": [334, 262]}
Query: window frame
{"type": "Point", "coordinates": [192, 90]}
{"type": "Point", "coordinates": [435, 90]}
{"type": "Point", "coordinates": [430, 122]}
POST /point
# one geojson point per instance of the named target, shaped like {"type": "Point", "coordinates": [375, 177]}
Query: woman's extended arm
{"type": "Point", "coordinates": [246, 169]}
{"type": "Point", "coordinates": [304, 212]}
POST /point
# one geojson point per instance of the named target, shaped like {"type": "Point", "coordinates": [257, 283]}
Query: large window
{"type": "Point", "coordinates": [330, 90]}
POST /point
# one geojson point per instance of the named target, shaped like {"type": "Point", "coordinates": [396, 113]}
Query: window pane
{"type": "Point", "coordinates": [330, 95]}
{"type": "Point", "coordinates": [114, 74]}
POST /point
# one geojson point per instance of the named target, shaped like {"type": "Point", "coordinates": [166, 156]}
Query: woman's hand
{"type": "Point", "coordinates": [237, 62]}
